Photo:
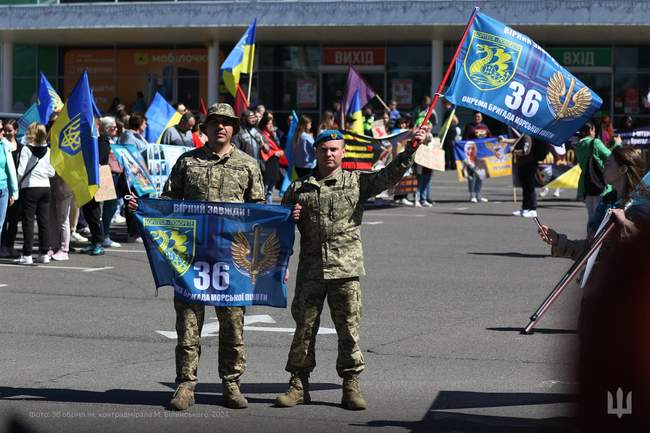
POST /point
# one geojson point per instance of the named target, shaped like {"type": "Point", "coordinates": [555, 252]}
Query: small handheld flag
{"type": "Point", "coordinates": [73, 137]}
{"type": "Point", "coordinates": [240, 59]}
{"type": "Point", "coordinates": [160, 116]}
{"type": "Point", "coordinates": [48, 100]}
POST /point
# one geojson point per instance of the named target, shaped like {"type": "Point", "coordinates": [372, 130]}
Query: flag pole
{"type": "Point", "coordinates": [382, 102]}
{"type": "Point", "coordinates": [250, 76]}
{"type": "Point", "coordinates": [448, 72]}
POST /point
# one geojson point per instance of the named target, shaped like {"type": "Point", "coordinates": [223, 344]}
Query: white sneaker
{"type": "Point", "coordinates": [60, 256]}
{"type": "Point", "coordinates": [517, 213]}
{"type": "Point", "coordinates": [473, 200]}
{"type": "Point", "coordinates": [484, 200]}
{"type": "Point", "coordinates": [84, 232]}
{"type": "Point", "coordinates": [556, 194]}
{"type": "Point", "coordinates": [118, 219]}
{"type": "Point", "coordinates": [417, 203]}
{"type": "Point", "coordinates": [76, 237]}
{"type": "Point", "coordinates": [405, 202]}
{"type": "Point", "coordinates": [24, 260]}
{"type": "Point", "coordinates": [43, 258]}
{"type": "Point", "coordinates": [135, 239]}
{"type": "Point", "coordinates": [109, 243]}
{"type": "Point", "coordinates": [426, 204]}
{"type": "Point", "coordinates": [529, 214]}
{"type": "Point", "coordinates": [543, 193]}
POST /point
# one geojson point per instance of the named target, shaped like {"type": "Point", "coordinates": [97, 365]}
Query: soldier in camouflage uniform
{"type": "Point", "coordinates": [328, 208]}
{"type": "Point", "coordinates": [217, 172]}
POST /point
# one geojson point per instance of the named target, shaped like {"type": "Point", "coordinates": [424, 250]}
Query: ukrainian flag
{"type": "Point", "coordinates": [240, 59]}
{"type": "Point", "coordinates": [48, 100]}
{"type": "Point", "coordinates": [160, 116]}
{"type": "Point", "coordinates": [355, 111]}
{"type": "Point", "coordinates": [74, 153]}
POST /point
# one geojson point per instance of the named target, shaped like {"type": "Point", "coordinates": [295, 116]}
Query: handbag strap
{"type": "Point", "coordinates": [29, 171]}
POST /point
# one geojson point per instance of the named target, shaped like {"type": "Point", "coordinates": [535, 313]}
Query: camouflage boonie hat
{"type": "Point", "coordinates": [222, 110]}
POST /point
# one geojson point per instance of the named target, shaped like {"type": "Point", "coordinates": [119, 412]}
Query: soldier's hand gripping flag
{"type": "Point", "coordinates": [506, 75]}
{"type": "Point", "coordinates": [74, 153]}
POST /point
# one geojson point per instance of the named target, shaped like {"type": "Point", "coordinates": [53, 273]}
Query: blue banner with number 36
{"type": "Point", "coordinates": [506, 75]}
{"type": "Point", "coordinates": [222, 254]}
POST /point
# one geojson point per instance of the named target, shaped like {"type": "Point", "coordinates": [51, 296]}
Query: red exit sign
{"type": "Point", "coordinates": [357, 56]}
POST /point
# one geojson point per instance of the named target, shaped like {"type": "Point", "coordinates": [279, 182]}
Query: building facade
{"type": "Point", "coordinates": [304, 47]}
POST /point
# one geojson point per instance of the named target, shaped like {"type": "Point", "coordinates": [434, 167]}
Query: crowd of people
{"type": "Point", "coordinates": [31, 191]}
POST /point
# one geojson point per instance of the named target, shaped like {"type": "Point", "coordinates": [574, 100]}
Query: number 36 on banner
{"type": "Point", "coordinates": [527, 100]}
{"type": "Point", "coordinates": [219, 278]}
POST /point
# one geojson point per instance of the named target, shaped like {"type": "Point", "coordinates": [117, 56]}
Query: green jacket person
{"type": "Point", "coordinates": [328, 208]}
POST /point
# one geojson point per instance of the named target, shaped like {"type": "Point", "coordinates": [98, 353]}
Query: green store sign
{"type": "Point", "coordinates": [582, 56]}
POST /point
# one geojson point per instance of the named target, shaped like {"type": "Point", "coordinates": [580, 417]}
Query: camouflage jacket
{"type": "Point", "coordinates": [332, 209]}
{"type": "Point", "coordinates": [202, 175]}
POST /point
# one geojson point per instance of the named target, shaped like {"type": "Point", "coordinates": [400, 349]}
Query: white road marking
{"type": "Point", "coordinates": [372, 223]}
{"type": "Point", "coordinates": [72, 268]}
{"type": "Point", "coordinates": [3, 285]}
{"type": "Point", "coordinates": [120, 250]}
{"type": "Point", "coordinates": [462, 208]}
{"type": "Point", "coordinates": [212, 329]}
{"type": "Point", "coordinates": [105, 268]}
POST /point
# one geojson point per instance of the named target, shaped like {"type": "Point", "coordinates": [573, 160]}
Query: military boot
{"type": "Point", "coordinates": [183, 397]}
{"type": "Point", "coordinates": [298, 392]}
{"type": "Point", "coordinates": [352, 398]}
{"type": "Point", "coordinates": [232, 397]}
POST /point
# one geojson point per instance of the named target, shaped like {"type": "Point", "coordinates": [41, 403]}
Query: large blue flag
{"type": "Point", "coordinates": [222, 254]}
{"type": "Point", "coordinates": [48, 100]}
{"type": "Point", "coordinates": [506, 75]}
{"type": "Point", "coordinates": [290, 173]}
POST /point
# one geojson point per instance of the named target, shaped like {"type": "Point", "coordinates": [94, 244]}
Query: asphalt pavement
{"type": "Point", "coordinates": [87, 346]}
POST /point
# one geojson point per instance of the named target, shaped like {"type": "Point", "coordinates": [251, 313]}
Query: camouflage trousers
{"type": "Point", "coordinates": [344, 300]}
{"type": "Point", "coordinates": [189, 322]}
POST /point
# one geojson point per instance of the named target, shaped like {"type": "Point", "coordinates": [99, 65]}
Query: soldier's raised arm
{"type": "Point", "coordinates": [371, 184]}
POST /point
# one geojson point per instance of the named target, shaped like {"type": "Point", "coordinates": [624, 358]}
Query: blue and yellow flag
{"type": "Point", "coordinates": [73, 138]}
{"type": "Point", "coordinates": [240, 59]}
{"type": "Point", "coordinates": [160, 116]}
{"type": "Point", "coordinates": [290, 173]}
{"type": "Point", "coordinates": [222, 254]}
{"type": "Point", "coordinates": [48, 100]}
{"type": "Point", "coordinates": [354, 110]}
{"type": "Point", "coordinates": [506, 75]}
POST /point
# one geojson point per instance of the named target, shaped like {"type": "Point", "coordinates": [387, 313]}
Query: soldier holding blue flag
{"type": "Point", "coordinates": [217, 172]}
{"type": "Point", "coordinates": [328, 208]}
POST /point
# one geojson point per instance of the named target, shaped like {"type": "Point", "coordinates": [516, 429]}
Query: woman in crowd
{"type": "Point", "coordinates": [8, 179]}
{"type": "Point", "coordinates": [623, 170]}
{"type": "Point", "coordinates": [34, 173]}
{"type": "Point", "coordinates": [303, 147]}
{"type": "Point", "coordinates": [271, 154]}
{"type": "Point", "coordinates": [327, 122]}
{"type": "Point", "coordinates": [108, 137]}
{"type": "Point", "coordinates": [474, 170]}
{"type": "Point", "coordinates": [13, 213]}
{"type": "Point", "coordinates": [135, 134]}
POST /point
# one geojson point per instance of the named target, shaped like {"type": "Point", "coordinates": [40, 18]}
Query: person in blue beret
{"type": "Point", "coordinates": [328, 208]}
